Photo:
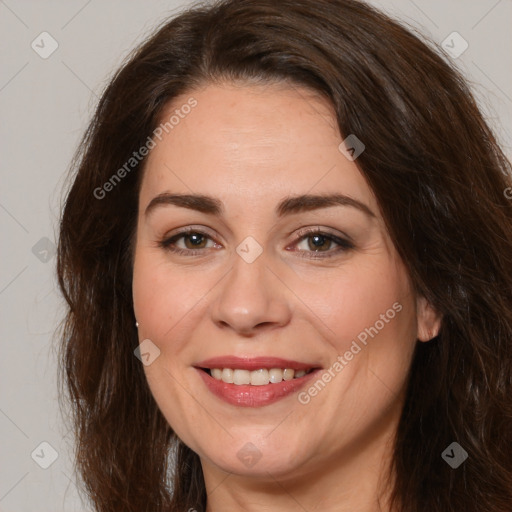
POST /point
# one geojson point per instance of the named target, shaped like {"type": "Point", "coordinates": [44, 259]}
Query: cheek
{"type": "Point", "coordinates": [376, 327]}
{"type": "Point", "coordinates": [163, 303]}
{"type": "Point", "coordinates": [161, 295]}
{"type": "Point", "coordinates": [371, 319]}
{"type": "Point", "coordinates": [364, 300]}
{"type": "Point", "coordinates": [150, 294]}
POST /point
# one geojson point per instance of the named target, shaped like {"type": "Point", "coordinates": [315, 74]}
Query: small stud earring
{"type": "Point", "coordinates": [136, 324]}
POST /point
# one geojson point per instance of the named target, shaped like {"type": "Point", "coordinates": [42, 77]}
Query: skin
{"type": "Point", "coordinates": [250, 146]}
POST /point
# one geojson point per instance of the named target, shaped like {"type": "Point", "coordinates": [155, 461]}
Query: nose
{"type": "Point", "coordinates": [251, 298]}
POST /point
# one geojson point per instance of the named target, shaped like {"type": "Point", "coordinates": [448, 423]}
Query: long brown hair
{"type": "Point", "coordinates": [440, 180]}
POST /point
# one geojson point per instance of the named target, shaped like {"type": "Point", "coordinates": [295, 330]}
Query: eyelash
{"type": "Point", "coordinates": [344, 245]}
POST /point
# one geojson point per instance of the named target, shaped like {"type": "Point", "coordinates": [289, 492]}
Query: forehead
{"type": "Point", "coordinates": [251, 144]}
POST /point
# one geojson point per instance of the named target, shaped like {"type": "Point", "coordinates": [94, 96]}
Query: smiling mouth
{"type": "Point", "coordinates": [259, 377]}
{"type": "Point", "coordinates": [254, 381]}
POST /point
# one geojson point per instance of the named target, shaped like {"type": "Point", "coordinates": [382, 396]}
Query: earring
{"type": "Point", "coordinates": [136, 324]}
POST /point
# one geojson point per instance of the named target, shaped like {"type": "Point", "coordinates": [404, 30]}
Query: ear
{"type": "Point", "coordinates": [429, 320]}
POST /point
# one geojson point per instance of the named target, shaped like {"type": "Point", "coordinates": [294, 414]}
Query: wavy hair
{"type": "Point", "coordinates": [440, 179]}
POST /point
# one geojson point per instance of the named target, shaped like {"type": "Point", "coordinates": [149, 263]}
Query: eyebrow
{"type": "Point", "coordinates": [288, 206]}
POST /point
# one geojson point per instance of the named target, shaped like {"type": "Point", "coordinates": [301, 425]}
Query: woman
{"type": "Point", "coordinates": [287, 256]}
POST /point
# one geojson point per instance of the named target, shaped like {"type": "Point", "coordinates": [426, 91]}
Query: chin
{"type": "Point", "coordinates": [257, 456]}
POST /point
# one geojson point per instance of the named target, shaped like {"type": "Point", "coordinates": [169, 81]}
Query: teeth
{"type": "Point", "coordinates": [257, 377]}
{"type": "Point", "coordinates": [275, 375]}
{"type": "Point", "coordinates": [288, 374]}
{"type": "Point", "coordinates": [227, 375]}
{"type": "Point", "coordinates": [241, 377]}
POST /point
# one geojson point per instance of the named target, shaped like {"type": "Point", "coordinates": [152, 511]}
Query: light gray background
{"type": "Point", "coordinates": [45, 106]}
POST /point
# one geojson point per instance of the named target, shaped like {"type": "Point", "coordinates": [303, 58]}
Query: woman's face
{"type": "Point", "coordinates": [252, 289]}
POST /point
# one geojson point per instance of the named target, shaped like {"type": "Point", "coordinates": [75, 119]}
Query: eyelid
{"type": "Point", "coordinates": [344, 242]}
{"type": "Point", "coordinates": [172, 237]}
{"type": "Point", "coordinates": [311, 230]}
{"type": "Point", "coordinates": [191, 229]}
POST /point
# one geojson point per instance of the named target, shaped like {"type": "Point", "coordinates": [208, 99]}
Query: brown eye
{"type": "Point", "coordinates": [188, 243]}
{"type": "Point", "coordinates": [194, 240]}
{"type": "Point", "coordinates": [317, 244]}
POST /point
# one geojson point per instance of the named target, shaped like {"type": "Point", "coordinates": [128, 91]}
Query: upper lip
{"type": "Point", "coordinates": [253, 363]}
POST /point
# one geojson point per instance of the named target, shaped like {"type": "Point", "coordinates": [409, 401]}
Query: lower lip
{"type": "Point", "coordinates": [253, 396]}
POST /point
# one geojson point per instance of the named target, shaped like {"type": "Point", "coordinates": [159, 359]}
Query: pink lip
{"type": "Point", "coordinates": [253, 363]}
{"type": "Point", "coordinates": [253, 396]}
